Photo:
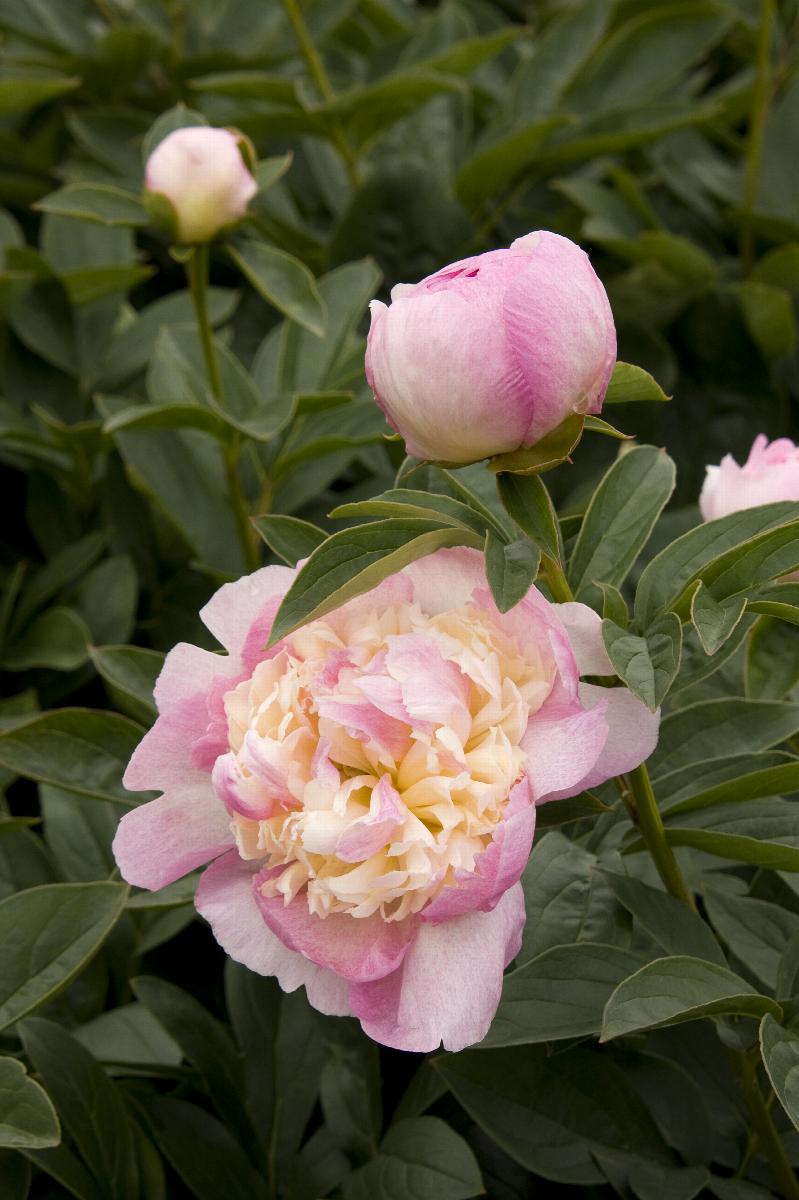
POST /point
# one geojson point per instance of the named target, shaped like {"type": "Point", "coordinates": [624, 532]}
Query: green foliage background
{"type": "Point", "coordinates": [664, 137]}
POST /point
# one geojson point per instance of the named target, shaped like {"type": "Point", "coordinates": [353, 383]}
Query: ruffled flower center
{"type": "Point", "coordinates": [372, 757]}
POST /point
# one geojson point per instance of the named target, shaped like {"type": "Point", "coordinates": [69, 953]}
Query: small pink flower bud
{"type": "Point", "coordinates": [770, 474]}
{"type": "Point", "coordinates": [200, 173]}
{"type": "Point", "coordinates": [492, 353]}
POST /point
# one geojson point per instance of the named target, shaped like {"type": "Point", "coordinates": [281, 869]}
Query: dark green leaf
{"type": "Point", "coordinates": [528, 502]}
{"type": "Point", "coordinates": [129, 1034]}
{"type": "Point", "coordinates": [670, 922]}
{"type": "Point", "coordinates": [649, 664]}
{"type": "Point", "coordinates": [780, 1050]}
{"type": "Point", "coordinates": [620, 518]}
{"type": "Point", "coordinates": [49, 934]}
{"type": "Point", "coordinates": [551, 1113]}
{"type": "Point", "coordinates": [283, 281]}
{"type": "Point", "coordinates": [206, 1044]}
{"type": "Point", "coordinates": [666, 577]}
{"type": "Point", "coordinates": [715, 728]}
{"type": "Point", "coordinates": [566, 898]}
{"type": "Point", "coordinates": [550, 451]}
{"type": "Point", "coordinates": [353, 561]}
{"type": "Point", "coordinates": [99, 202]}
{"type": "Point", "coordinates": [57, 639]}
{"type": "Point", "coordinates": [714, 622]}
{"type": "Point", "coordinates": [89, 1104]}
{"type": "Point", "coordinates": [288, 537]}
{"type": "Point", "coordinates": [420, 1158]}
{"type": "Point", "coordinates": [406, 502]}
{"type": "Point", "coordinates": [755, 931]}
{"type": "Point", "coordinates": [511, 569]}
{"type": "Point", "coordinates": [769, 316]}
{"type": "Point", "coordinates": [28, 87]}
{"type": "Point", "coordinates": [560, 994]}
{"type": "Point", "coordinates": [27, 1117]}
{"type": "Point", "coordinates": [669, 991]}
{"type": "Point", "coordinates": [630, 384]}
{"type": "Point", "coordinates": [129, 673]}
{"type": "Point", "coordinates": [74, 748]}
{"type": "Point", "coordinates": [201, 1150]}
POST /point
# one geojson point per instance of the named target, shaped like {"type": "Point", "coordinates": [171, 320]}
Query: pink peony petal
{"type": "Point", "coordinates": [563, 744]}
{"type": "Point", "coordinates": [368, 834]}
{"type": "Point", "coordinates": [446, 579]}
{"type": "Point", "coordinates": [158, 842]}
{"type": "Point", "coordinates": [584, 628]}
{"type": "Point", "coordinates": [187, 692]}
{"type": "Point", "coordinates": [239, 793]}
{"type": "Point", "coordinates": [356, 948]}
{"type": "Point", "coordinates": [367, 723]}
{"type": "Point", "coordinates": [225, 898]}
{"type": "Point", "coordinates": [497, 869]}
{"type": "Point", "coordinates": [560, 331]}
{"type": "Point", "coordinates": [770, 474]}
{"type": "Point", "coordinates": [632, 732]}
{"type": "Point", "coordinates": [237, 608]}
{"type": "Point", "coordinates": [188, 671]}
{"type": "Point", "coordinates": [449, 985]}
{"type": "Point", "coordinates": [434, 691]}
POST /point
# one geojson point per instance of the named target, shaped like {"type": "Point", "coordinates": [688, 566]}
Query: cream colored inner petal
{"type": "Point", "coordinates": [316, 775]}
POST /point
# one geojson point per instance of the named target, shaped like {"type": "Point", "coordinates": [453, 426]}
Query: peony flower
{"type": "Point", "coordinates": [200, 173]}
{"type": "Point", "coordinates": [493, 352]}
{"type": "Point", "coordinates": [770, 473]}
{"type": "Point", "coordinates": [367, 788]}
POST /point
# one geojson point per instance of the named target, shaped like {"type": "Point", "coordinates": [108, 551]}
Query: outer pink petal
{"type": "Point", "coordinates": [563, 744]}
{"type": "Point", "coordinates": [497, 869]}
{"type": "Point", "coordinates": [188, 670]}
{"type": "Point", "coordinates": [442, 373]}
{"type": "Point", "coordinates": [632, 735]}
{"type": "Point", "coordinates": [560, 331]}
{"type": "Point", "coordinates": [158, 842]}
{"type": "Point", "coordinates": [188, 679]}
{"type": "Point", "coordinates": [449, 985]}
{"type": "Point", "coordinates": [236, 608]}
{"type": "Point", "coordinates": [225, 898]}
{"type": "Point", "coordinates": [356, 948]}
{"type": "Point", "coordinates": [584, 628]}
{"type": "Point", "coordinates": [446, 579]}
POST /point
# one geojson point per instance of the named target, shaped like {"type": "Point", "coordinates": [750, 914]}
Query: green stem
{"type": "Point", "coordinates": [556, 580]}
{"type": "Point", "coordinates": [764, 1128]}
{"type": "Point", "coordinates": [757, 120]}
{"type": "Point", "coordinates": [247, 535]}
{"type": "Point", "coordinates": [643, 809]}
{"type": "Point", "coordinates": [197, 269]}
{"type": "Point", "coordinates": [316, 68]}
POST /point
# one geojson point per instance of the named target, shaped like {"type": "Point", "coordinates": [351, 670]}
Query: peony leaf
{"type": "Point", "coordinates": [671, 990]}
{"type": "Point", "coordinates": [354, 561]}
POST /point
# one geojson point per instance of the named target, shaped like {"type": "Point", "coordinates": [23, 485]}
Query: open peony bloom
{"type": "Point", "coordinates": [367, 788]}
{"type": "Point", "coordinates": [493, 352]}
{"type": "Point", "coordinates": [202, 175]}
{"type": "Point", "coordinates": [770, 474]}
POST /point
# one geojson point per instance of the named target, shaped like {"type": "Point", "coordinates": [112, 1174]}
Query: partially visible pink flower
{"type": "Point", "coordinates": [770, 474]}
{"type": "Point", "coordinates": [201, 173]}
{"type": "Point", "coordinates": [367, 788]}
{"type": "Point", "coordinates": [493, 352]}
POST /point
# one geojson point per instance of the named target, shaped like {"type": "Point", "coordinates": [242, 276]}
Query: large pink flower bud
{"type": "Point", "coordinates": [490, 354]}
{"type": "Point", "coordinates": [770, 473]}
{"type": "Point", "coordinates": [201, 174]}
